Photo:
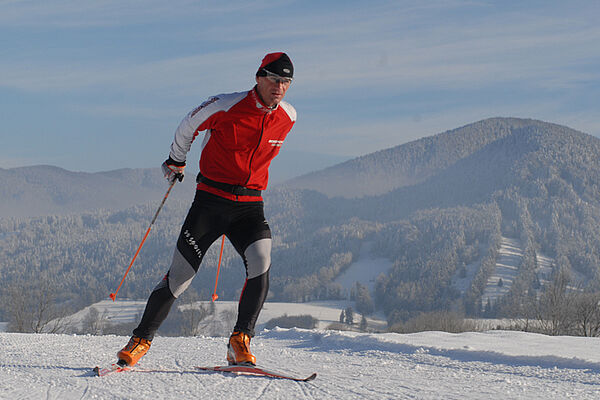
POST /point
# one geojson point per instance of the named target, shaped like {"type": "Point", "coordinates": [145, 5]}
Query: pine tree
{"type": "Point", "coordinates": [363, 323]}
{"type": "Point", "coordinates": [349, 316]}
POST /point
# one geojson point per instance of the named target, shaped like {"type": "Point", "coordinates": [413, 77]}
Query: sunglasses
{"type": "Point", "coordinates": [276, 78]}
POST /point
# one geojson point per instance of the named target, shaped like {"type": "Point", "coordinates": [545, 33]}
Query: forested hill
{"type": "Point", "coordinates": [439, 207]}
{"type": "Point", "coordinates": [533, 181]}
{"type": "Point", "coordinates": [415, 162]}
{"type": "Point", "coordinates": [47, 190]}
{"type": "Point", "coordinates": [537, 162]}
{"type": "Point", "coordinates": [44, 190]}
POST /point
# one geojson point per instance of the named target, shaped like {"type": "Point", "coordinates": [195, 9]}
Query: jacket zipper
{"type": "Point", "coordinates": [262, 130]}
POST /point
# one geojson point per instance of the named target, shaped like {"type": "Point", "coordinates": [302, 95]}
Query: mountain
{"type": "Point", "coordinates": [291, 163]}
{"type": "Point", "coordinates": [473, 186]}
{"type": "Point", "coordinates": [47, 190]}
{"type": "Point", "coordinates": [412, 163]}
{"type": "Point", "coordinates": [349, 365]}
{"type": "Point", "coordinates": [438, 209]}
{"type": "Point", "coordinates": [532, 159]}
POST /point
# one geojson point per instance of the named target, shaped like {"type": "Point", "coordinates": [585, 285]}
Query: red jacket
{"type": "Point", "coordinates": [242, 137]}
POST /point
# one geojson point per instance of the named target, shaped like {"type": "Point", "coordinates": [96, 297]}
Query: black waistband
{"type": "Point", "coordinates": [226, 187]}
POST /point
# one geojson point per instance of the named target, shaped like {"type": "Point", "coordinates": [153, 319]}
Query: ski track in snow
{"type": "Point", "coordinates": [428, 365]}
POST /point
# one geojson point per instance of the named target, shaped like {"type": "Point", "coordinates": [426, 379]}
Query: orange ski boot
{"type": "Point", "coordinates": [238, 350]}
{"type": "Point", "coordinates": [134, 350]}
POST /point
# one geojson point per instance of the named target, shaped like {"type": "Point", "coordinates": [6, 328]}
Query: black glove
{"type": "Point", "coordinates": [173, 170]}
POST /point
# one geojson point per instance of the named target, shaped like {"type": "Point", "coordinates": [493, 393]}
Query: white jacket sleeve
{"type": "Point", "coordinates": [184, 136]}
{"type": "Point", "coordinates": [199, 120]}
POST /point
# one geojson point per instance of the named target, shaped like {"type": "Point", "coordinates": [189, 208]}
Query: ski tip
{"type": "Point", "coordinates": [311, 378]}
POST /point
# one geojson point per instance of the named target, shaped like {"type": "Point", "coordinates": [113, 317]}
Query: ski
{"type": "Point", "coordinates": [251, 370]}
{"type": "Point", "coordinates": [116, 367]}
{"type": "Point", "coordinates": [234, 369]}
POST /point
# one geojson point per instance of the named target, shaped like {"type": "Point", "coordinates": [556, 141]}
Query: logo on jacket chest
{"type": "Point", "coordinates": [275, 143]}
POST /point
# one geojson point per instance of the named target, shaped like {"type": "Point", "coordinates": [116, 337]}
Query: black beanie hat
{"type": "Point", "coordinates": [277, 63]}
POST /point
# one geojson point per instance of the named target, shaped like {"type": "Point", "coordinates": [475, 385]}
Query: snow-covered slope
{"type": "Point", "coordinates": [364, 270]}
{"type": "Point", "coordinates": [429, 365]}
{"type": "Point", "coordinates": [510, 255]}
{"type": "Point", "coordinates": [327, 312]}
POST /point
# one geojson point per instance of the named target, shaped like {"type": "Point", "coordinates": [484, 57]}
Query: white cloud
{"type": "Point", "coordinates": [377, 50]}
{"type": "Point", "coordinates": [533, 52]}
{"type": "Point", "coordinates": [124, 110]}
{"type": "Point", "coordinates": [347, 48]}
{"type": "Point", "coordinates": [175, 74]}
{"type": "Point", "coordinates": [108, 13]}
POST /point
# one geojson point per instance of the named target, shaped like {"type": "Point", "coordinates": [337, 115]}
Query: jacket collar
{"type": "Point", "coordinates": [259, 103]}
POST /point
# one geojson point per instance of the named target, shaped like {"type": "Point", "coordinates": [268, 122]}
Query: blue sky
{"type": "Point", "coordinates": [99, 85]}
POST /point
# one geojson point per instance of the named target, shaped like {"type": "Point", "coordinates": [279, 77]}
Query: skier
{"type": "Point", "coordinates": [244, 132]}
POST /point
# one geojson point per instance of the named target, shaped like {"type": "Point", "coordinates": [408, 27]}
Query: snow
{"type": "Point", "coordinates": [463, 284]}
{"type": "Point", "coordinates": [544, 270]}
{"type": "Point", "coordinates": [510, 256]}
{"type": "Point", "coordinates": [327, 312]}
{"type": "Point", "coordinates": [115, 312]}
{"type": "Point", "coordinates": [350, 365]}
{"type": "Point", "coordinates": [364, 270]}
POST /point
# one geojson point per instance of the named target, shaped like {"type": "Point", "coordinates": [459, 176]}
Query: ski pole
{"type": "Point", "coordinates": [113, 296]}
{"type": "Point", "coordinates": [215, 296]}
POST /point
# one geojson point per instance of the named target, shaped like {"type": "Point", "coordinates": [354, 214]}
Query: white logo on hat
{"type": "Point", "coordinates": [287, 71]}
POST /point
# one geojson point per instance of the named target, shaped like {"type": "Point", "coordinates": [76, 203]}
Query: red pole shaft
{"type": "Point", "coordinates": [113, 296]}
{"type": "Point", "coordinates": [214, 295]}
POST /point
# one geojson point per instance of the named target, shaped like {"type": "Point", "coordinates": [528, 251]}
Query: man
{"type": "Point", "coordinates": [244, 132]}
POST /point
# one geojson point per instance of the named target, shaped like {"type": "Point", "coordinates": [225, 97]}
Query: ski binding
{"type": "Point", "coordinates": [119, 366]}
